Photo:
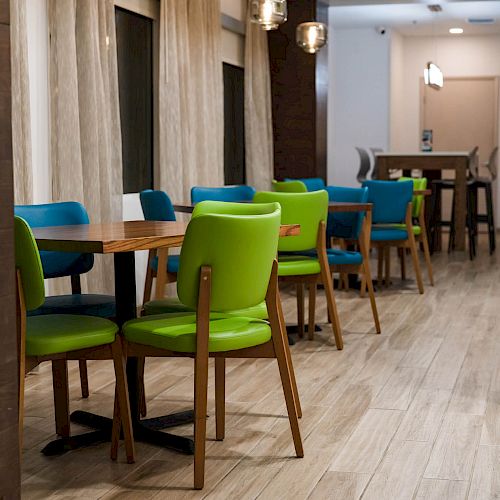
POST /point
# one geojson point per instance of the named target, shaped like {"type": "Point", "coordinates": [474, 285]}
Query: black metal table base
{"type": "Point", "coordinates": [147, 430]}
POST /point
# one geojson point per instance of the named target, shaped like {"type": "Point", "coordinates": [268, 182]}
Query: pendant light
{"type": "Point", "coordinates": [433, 76]}
{"type": "Point", "coordinates": [269, 14]}
{"type": "Point", "coordinates": [311, 36]}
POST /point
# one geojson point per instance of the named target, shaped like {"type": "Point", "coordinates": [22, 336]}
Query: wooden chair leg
{"type": "Point", "coordinates": [148, 285]}
{"type": "Point", "coordinates": [362, 289]}
{"type": "Point", "coordinates": [161, 273]}
{"type": "Point", "coordinates": [387, 266]}
{"type": "Point", "coordinates": [282, 324]}
{"type": "Point", "coordinates": [200, 417]}
{"type": "Point", "coordinates": [84, 378]}
{"type": "Point", "coordinates": [427, 255]}
{"type": "Point", "coordinates": [123, 405]}
{"type": "Point", "coordinates": [61, 396]}
{"type": "Point", "coordinates": [326, 278]}
{"type": "Point", "coordinates": [220, 398]}
{"type": "Point", "coordinates": [402, 260]}
{"type": "Point", "coordinates": [312, 311]}
{"type": "Point", "coordinates": [416, 263]}
{"type": "Point", "coordinates": [285, 368]}
{"type": "Point", "coordinates": [141, 362]}
{"type": "Point", "coordinates": [371, 294]}
{"type": "Point", "coordinates": [300, 309]}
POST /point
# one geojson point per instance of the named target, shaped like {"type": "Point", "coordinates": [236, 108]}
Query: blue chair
{"type": "Point", "coordinates": [392, 204]}
{"type": "Point", "coordinates": [157, 206]}
{"type": "Point", "coordinates": [223, 193]}
{"type": "Point", "coordinates": [62, 264]}
{"type": "Point", "coordinates": [345, 228]}
{"type": "Point", "coordinates": [312, 183]}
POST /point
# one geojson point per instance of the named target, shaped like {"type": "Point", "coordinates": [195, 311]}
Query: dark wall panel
{"type": "Point", "coordinates": [299, 97]}
{"type": "Point", "coordinates": [9, 441]}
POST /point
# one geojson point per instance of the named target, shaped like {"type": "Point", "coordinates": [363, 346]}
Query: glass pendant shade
{"type": "Point", "coordinates": [433, 76]}
{"type": "Point", "coordinates": [311, 36]}
{"type": "Point", "coordinates": [268, 13]}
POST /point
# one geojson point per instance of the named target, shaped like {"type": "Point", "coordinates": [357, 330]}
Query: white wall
{"type": "Point", "coordinates": [457, 56]}
{"type": "Point", "coordinates": [397, 90]}
{"type": "Point", "coordinates": [359, 106]}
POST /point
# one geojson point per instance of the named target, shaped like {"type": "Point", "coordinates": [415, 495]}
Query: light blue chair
{"type": "Point", "coordinates": [157, 206]}
{"type": "Point", "coordinates": [392, 204]}
{"type": "Point", "coordinates": [223, 193]}
{"type": "Point", "coordinates": [62, 264]}
{"type": "Point", "coordinates": [312, 183]}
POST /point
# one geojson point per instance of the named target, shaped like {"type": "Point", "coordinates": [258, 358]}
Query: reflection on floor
{"type": "Point", "coordinates": [411, 413]}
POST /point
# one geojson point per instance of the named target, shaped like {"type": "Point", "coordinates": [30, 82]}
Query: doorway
{"type": "Point", "coordinates": [462, 115]}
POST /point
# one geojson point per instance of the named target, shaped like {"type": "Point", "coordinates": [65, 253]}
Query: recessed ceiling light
{"type": "Point", "coordinates": [456, 31]}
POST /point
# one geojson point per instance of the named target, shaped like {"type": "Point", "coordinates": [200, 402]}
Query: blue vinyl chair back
{"type": "Point", "coordinates": [390, 200]}
{"type": "Point", "coordinates": [346, 225]}
{"type": "Point", "coordinates": [58, 264]}
{"type": "Point", "coordinates": [312, 183]}
{"type": "Point", "coordinates": [156, 205]}
{"type": "Point", "coordinates": [223, 193]}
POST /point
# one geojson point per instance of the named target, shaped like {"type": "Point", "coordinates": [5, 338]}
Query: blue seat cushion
{"type": "Point", "coordinates": [85, 304]}
{"type": "Point", "coordinates": [385, 233]}
{"type": "Point", "coordinates": [337, 257]}
{"type": "Point", "coordinates": [172, 264]}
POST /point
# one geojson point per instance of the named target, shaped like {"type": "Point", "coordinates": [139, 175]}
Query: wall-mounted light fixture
{"type": "Point", "coordinates": [269, 14]}
{"type": "Point", "coordinates": [311, 36]}
{"type": "Point", "coordinates": [433, 76]}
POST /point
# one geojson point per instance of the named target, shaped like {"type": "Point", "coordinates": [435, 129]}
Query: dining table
{"type": "Point", "coordinates": [122, 240]}
{"type": "Point", "coordinates": [435, 161]}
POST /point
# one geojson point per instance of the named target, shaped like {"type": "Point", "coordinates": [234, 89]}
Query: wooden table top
{"type": "Point", "coordinates": [125, 236]}
{"type": "Point", "coordinates": [424, 154]}
{"type": "Point", "coordinates": [333, 206]}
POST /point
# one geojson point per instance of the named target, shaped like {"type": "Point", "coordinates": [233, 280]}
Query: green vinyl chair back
{"type": "Point", "coordinates": [29, 264]}
{"type": "Point", "coordinates": [419, 184]}
{"type": "Point", "coordinates": [307, 209]}
{"type": "Point", "coordinates": [289, 187]}
{"type": "Point", "coordinates": [240, 249]}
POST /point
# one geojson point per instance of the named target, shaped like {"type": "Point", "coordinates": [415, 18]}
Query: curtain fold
{"type": "Point", "coordinates": [21, 122]}
{"type": "Point", "coordinates": [191, 107]}
{"type": "Point", "coordinates": [259, 143]}
{"type": "Point", "coordinates": [85, 120]}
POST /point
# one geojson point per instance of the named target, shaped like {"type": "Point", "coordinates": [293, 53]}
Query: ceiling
{"type": "Point", "coordinates": [413, 18]}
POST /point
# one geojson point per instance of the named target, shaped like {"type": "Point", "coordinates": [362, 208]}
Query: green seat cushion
{"type": "Point", "coordinates": [388, 233]}
{"type": "Point", "coordinates": [174, 305]}
{"type": "Point", "coordinates": [56, 333]}
{"type": "Point", "coordinates": [297, 265]}
{"type": "Point", "coordinates": [178, 332]}
{"type": "Point", "coordinates": [416, 229]}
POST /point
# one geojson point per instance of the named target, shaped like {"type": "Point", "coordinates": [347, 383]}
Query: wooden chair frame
{"type": "Point", "coordinates": [163, 277]}
{"type": "Point", "coordinates": [383, 249]}
{"type": "Point", "coordinates": [114, 351]}
{"type": "Point", "coordinates": [311, 280]}
{"type": "Point", "coordinates": [345, 269]}
{"type": "Point", "coordinates": [276, 348]}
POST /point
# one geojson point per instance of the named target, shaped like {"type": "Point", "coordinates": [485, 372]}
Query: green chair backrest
{"type": "Point", "coordinates": [29, 264]}
{"type": "Point", "coordinates": [307, 209]}
{"type": "Point", "coordinates": [419, 184]}
{"type": "Point", "coordinates": [289, 187]}
{"type": "Point", "coordinates": [239, 241]}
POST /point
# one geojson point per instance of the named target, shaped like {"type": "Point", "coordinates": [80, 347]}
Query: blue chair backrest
{"type": "Point", "coordinates": [156, 205]}
{"type": "Point", "coordinates": [390, 200]}
{"type": "Point", "coordinates": [223, 193]}
{"type": "Point", "coordinates": [58, 264]}
{"type": "Point", "coordinates": [346, 225]}
{"type": "Point", "coordinates": [312, 183]}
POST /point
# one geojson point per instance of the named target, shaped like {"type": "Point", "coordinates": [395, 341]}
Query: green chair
{"type": "Point", "coordinates": [419, 226]}
{"type": "Point", "coordinates": [227, 262]}
{"type": "Point", "coordinates": [289, 187]}
{"type": "Point", "coordinates": [310, 210]}
{"type": "Point", "coordinates": [62, 337]}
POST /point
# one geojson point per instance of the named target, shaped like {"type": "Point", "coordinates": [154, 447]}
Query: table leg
{"type": "Point", "coordinates": [460, 202]}
{"type": "Point", "coordinates": [147, 430]}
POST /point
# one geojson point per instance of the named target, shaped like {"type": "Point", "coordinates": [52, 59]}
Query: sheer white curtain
{"type": "Point", "coordinates": [85, 117]}
{"type": "Point", "coordinates": [259, 150]}
{"type": "Point", "coordinates": [21, 131]}
{"type": "Point", "coordinates": [191, 107]}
